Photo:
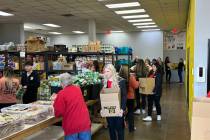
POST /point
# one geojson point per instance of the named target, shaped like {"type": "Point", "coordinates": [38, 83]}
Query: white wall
{"type": "Point", "coordinates": [202, 34]}
{"type": "Point", "coordinates": [11, 32]}
{"type": "Point", "coordinates": [145, 44]}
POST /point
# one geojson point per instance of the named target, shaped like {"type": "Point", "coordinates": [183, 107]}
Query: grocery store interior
{"type": "Point", "coordinates": [104, 70]}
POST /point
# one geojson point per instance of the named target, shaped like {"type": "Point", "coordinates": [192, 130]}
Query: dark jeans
{"type": "Point", "coordinates": [180, 76]}
{"type": "Point", "coordinates": [130, 115]}
{"type": "Point", "coordinates": [5, 105]}
{"type": "Point", "coordinates": [168, 76]}
{"type": "Point", "coordinates": [143, 101]}
{"type": "Point", "coordinates": [154, 99]}
{"type": "Point", "coordinates": [137, 98]}
{"type": "Point", "coordinates": [116, 128]}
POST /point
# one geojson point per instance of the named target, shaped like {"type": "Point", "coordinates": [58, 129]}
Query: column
{"type": "Point", "coordinates": [92, 30]}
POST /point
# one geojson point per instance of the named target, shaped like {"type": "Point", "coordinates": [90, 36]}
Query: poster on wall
{"type": "Point", "coordinates": [174, 41]}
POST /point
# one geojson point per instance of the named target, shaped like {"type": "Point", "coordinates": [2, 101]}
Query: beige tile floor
{"type": "Point", "coordinates": [174, 124]}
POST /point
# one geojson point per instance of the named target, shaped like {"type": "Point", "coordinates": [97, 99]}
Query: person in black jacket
{"type": "Point", "coordinates": [180, 70]}
{"type": "Point", "coordinates": [157, 92]}
{"type": "Point", "coordinates": [168, 70]}
{"type": "Point", "coordinates": [30, 82]}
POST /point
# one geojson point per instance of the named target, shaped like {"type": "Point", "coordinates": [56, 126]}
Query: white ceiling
{"type": "Point", "coordinates": [168, 14]}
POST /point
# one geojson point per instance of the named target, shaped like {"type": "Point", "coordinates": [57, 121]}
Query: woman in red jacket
{"type": "Point", "coordinates": [133, 84]}
{"type": "Point", "coordinates": [70, 105]}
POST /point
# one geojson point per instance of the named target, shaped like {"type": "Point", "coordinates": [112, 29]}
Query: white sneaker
{"type": "Point", "coordinates": [147, 119]}
{"type": "Point", "coordinates": [137, 112]}
{"type": "Point", "coordinates": [154, 109]}
{"type": "Point", "coordinates": [159, 118]}
{"type": "Point", "coordinates": [143, 111]}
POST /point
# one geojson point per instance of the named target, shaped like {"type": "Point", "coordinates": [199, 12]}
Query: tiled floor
{"type": "Point", "coordinates": [174, 124]}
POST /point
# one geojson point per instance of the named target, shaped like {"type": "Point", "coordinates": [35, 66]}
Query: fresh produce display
{"type": "Point", "coordinates": [87, 78]}
{"type": "Point", "coordinates": [44, 92]}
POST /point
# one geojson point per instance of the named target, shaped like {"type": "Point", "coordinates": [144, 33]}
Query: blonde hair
{"type": "Point", "coordinates": [9, 75]}
{"type": "Point", "coordinates": [115, 83]}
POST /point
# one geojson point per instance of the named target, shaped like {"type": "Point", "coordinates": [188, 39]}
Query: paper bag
{"type": "Point", "coordinates": [146, 85]}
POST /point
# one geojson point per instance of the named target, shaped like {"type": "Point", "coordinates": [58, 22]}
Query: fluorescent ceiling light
{"type": "Point", "coordinates": [147, 30]}
{"type": "Point", "coordinates": [123, 5]}
{"type": "Point", "coordinates": [135, 16]}
{"type": "Point", "coordinates": [149, 26]}
{"type": "Point", "coordinates": [144, 23]}
{"type": "Point", "coordinates": [27, 27]}
{"type": "Point", "coordinates": [117, 31]}
{"type": "Point", "coordinates": [78, 32]}
{"type": "Point", "coordinates": [52, 25]}
{"type": "Point", "coordinates": [130, 11]}
{"type": "Point", "coordinates": [5, 14]}
{"type": "Point", "coordinates": [55, 33]}
{"type": "Point", "coordinates": [140, 20]}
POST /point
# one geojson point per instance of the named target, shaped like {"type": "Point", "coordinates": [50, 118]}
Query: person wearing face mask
{"type": "Point", "coordinates": [30, 82]}
{"type": "Point", "coordinates": [157, 93]}
{"type": "Point", "coordinates": [111, 80]}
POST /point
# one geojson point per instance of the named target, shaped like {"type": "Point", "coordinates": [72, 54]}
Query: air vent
{"type": "Point", "coordinates": [67, 15]}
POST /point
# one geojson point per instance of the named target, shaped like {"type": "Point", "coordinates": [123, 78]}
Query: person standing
{"type": "Point", "coordinates": [160, 62]}
{"type": "Point", "coordinates": [111, 80]}
{"type": "Point", "coordinates": [140, 70]}
{"type": "Point", "coordinates": [180, 69]}
{"type": "Point", "coordinates": [8, 88]}
{"type": "Point", "coordinates": [30, 82]}
{"type": "Point", "coordinates": [157, 93]}
{"type": "Point", "coordinates": [168, 69]}
{"type": "Point", "coordinates": [133, 84]}
{"type": "Point", "coordinates": [70, 105]}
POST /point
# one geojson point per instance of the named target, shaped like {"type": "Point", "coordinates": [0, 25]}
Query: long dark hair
{"type": "Point", "coordinates": [158, 67]}
{"type": "Point", "coordinates": [9, 75]}
{"type": "Point", "coordinates": [140, 67]}
{"type": "Point", "coordinates": [96, 65]}
{"type": "Point", "coordinates": [167, 60]}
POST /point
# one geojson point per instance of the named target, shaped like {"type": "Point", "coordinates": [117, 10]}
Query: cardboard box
{"type": "Point", "coordinates": [146, 85]}
{"type": "Point", "coordinates": [110, 102]}
{"type": "Point", "coordinates": [200, 129]}
{"type": "Point", "coordinates": [69, 66]}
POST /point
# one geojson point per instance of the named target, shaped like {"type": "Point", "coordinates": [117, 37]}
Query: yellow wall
{"type": "Point", "coordinates": [190, 48]}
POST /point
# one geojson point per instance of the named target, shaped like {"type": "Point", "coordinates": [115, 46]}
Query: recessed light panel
{"type": "Point", "coordinates": [136, 16]}
{"type": "Point", "coordinates": [78, 32]}
{"type": "Point", "coordinates": [130, 11]}
{"type": "Point", "coordinates": [149, 26]}
{"type": "Point", "coordinates": [148, 30]}
{"type": "Point", "coordinates": [5, 14]}
{"type": "Point", "coordinates": [55, 33]}
{"type": "Point", "coordinates": [139, 20]}
{"type": "Point", "coordinates": [123, 5]}
{"type": "Point", "coordinates": [52, 25]}
{"type": "Point", "coordinates": [144, 23]}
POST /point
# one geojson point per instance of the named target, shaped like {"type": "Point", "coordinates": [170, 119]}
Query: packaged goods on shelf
{"type": "Point", "coordinates": [30, 113]}
{"type": "Point", "coordinates": [38, 66]}
{"type": "Point", "coordinates": [7, 46]}
{"type": "Point", "coordinates": [60, 48]}
{"type": "Point", "coordinates": [35, 44]}
{"type": "Point", "coordinates": [2, 61]}
{"type": "Point", "coordinates": [44, 92]}
{"type": "Point", "coordinates": [10, 123]}
{"type": "Point", "coordinates": [107, 48]}
{"type": "Point", "coordinates": [21, 47]}
{"type": "Point", "coordinates": [73, 49]}
{"type": "Point", "coordinates": [123, 50]}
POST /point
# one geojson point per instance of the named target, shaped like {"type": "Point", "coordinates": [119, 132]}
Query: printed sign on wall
{"type": "Point", "coordinates": [174, 41]}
